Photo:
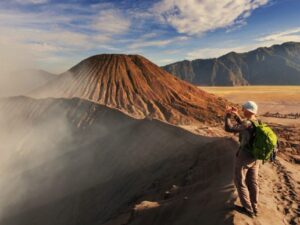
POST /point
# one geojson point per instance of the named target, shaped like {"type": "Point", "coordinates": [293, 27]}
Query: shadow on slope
{"type": "Point", "coordinates": [70, 161]}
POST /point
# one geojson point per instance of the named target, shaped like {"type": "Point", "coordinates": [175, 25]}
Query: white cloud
{"type": "Point", "coordinates": [264, 41]}
{"type": "Point", "coordinates": [142, 43]}
{"type": "Point", "coordinates": [111, 22]}
{"type": "Point", "coordinates": [13, 56]}
{"type": "Point", "coordinates": [12, 18]}
{"type": "Point", "coordinates": [166, 61]}
{"type": "Point", "coordinates": [52, 37]}
{"type": "Point", "coordinates": [44, 48]}
{"type": "Point", "coordinates": [24, 2]}
{"type": "Point", "coordinates": [200, 16]}
{"type": "Point", "coordinates": [205, 53]}
{"type": "Point", "coordinates": [46, 34]}
{"type": "Point", "coordinates": [150, 35]}
{"type": "Point", "coordinates": [284, 36]}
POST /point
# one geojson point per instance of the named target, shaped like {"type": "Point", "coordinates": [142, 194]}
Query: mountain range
{"type": "Point", "coordinates": [275, 65]}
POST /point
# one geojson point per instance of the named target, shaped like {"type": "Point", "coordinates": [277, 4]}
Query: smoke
{"type": "Point", "coordinates": [70, 161]}
{"type": "Point", "coordinates": [28, 143]}
{"type": "Point", "coordinates": [17, 76]}
{"type": "Point", "coordinates": [49, 153]}
{"type": "Point", "coordinates": [25, 143]}
{"type": "Point", "coordinates": [36, 136]}
{"type": "Point", "coordinates": [13, 57]}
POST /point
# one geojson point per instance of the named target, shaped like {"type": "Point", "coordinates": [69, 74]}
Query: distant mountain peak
{"type": "Point", "coordinates": [275, 65]}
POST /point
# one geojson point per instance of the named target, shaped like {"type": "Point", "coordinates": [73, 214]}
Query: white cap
{"type": "Point", "coordinates": [250, 106]}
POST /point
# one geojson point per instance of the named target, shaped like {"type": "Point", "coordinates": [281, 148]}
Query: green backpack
{"type": "Point", "coordinates": [264, 141]}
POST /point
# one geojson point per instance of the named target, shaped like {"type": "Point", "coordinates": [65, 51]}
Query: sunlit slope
{"type": "Point", "coordinates": [137, 87]}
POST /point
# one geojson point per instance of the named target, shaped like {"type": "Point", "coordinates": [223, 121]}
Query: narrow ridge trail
{"type": "Point", "coordinates": [287, 194]}
{"type": "Point", "coordinates": [279, 200]}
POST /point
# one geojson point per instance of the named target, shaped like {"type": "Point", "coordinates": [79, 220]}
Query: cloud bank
{"type": "Point", "coordinates": [284, 36]}
{"type": "Point", "coordinates": [56, 35]}
{"type": "Point", "coordinates": [200, 16]}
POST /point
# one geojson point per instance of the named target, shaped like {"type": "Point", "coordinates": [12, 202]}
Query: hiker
{"type": "Point", "coordinates": [246, 166]}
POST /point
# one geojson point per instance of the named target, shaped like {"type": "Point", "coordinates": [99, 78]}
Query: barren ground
{"type": "Point", "coordinates": [283, 99]}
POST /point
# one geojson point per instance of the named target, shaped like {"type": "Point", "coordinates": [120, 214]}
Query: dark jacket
{"type": "Point", "coordinates": [244, 128]}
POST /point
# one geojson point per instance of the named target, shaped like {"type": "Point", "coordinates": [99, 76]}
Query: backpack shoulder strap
{"type": "Point", "coordinates": [252, 132]}
{"type": "Point", "coordinates": [252, 129]}
{"type": "Point", "coordinates": [255, 123]}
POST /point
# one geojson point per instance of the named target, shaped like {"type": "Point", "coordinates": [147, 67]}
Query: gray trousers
{"type": "Point", "coordinates": [246, 180]}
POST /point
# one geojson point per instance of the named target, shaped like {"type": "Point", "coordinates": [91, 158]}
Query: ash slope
{"type": "Point", "coordinates": [276, 65]}
{"type": "Point", "coordinates": [74, 162]}
{"type": "Point", "coordinates": [137, 87]}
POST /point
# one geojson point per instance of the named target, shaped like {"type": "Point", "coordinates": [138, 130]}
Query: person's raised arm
{"type": "Point", "coordinates": [233, 128]}
{"type": "Point", "coordinates": [237, 117]}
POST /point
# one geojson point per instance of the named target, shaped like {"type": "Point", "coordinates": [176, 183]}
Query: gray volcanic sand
{"type": "Point", "coordinates": [71, 161]}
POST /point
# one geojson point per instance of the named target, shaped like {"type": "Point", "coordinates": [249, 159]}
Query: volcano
{"type": "Point", "coordinates": [137, 87]}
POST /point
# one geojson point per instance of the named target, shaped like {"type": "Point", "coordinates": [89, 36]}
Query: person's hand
{"type": "Point", "coordinates": [228, 109]}
{"type": "Point", "coordinates": [234, 111]}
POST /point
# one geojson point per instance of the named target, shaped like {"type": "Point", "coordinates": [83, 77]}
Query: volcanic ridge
{"type": "Point", "coordinates": [77, 162]}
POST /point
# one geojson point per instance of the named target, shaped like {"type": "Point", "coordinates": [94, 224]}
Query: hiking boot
{"type": "Point", "coordinates": [256, 212]}
{"type": "Point", "coordinates": [245, 211]}
{"type": "Point", "coordinates": [249, 213]}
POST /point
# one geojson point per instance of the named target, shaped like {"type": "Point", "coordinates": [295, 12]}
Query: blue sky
{"type": "Point", "coordinates": [54, 35]}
